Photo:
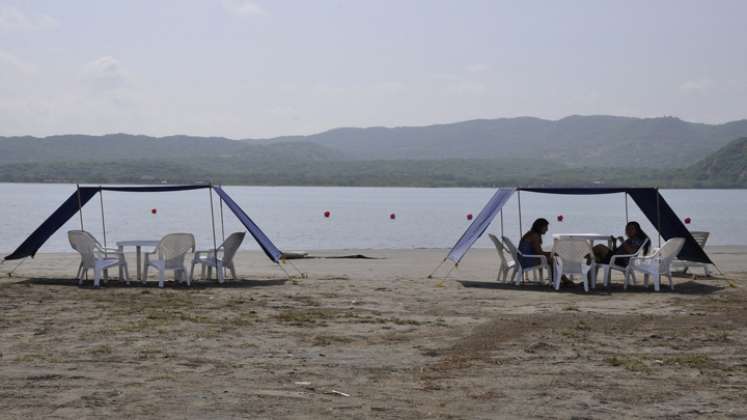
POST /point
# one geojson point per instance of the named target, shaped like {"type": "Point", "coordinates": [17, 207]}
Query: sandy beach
{"type": "Point", "coordinates": [371, 338]}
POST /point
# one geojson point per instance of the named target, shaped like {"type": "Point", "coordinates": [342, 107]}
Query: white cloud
{"type": "Point", "coordinates": [477, 68]}
{"type": "Point", "coordinates": [14, 63]}
{"type": "Point", "coordinates": [14, 19]}
{"type": "Point", "coordinates": [243, 7]}
{"type": "Point", "coordinates": [697, 87]}
{"type": "Point", "coordinates": [104, 74]}
{"type": "Point", "coordinates": [389, 88]}
{"type": "Point", "coordinates": [465, 88]}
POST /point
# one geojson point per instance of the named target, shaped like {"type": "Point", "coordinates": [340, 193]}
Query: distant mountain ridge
{"type": "Point", "coordinates": [113, 147]}
{"type": "Point", "coordinates": [597, 141]}
{"type": "Point", "coordinates": [576, 150]}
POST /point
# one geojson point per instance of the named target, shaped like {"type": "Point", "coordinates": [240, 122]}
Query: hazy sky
{"type": "Point", "coordinates": [263, 68]}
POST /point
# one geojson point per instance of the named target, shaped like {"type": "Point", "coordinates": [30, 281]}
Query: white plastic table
{"type": "Point", "coordinates": [585, 236]}
{"type": "Point", "coordinates": [138, 244]}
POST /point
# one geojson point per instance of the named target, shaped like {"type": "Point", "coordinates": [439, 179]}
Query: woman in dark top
{"type": "Point", "coordinates": [636, 238]}
{"type": "Point", "coordinates": [531, 244]}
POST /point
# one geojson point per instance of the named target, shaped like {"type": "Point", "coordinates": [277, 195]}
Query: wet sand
{"type": "Point", "coordinates": [371, 338]}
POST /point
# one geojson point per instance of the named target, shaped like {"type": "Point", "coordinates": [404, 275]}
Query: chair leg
{"type": "Point", "coordinates": [586, 283]}
{"type": "Point", "coordinates": [221, 272]}
{"type": "Point", "coordinates": [96, 277]}
{"type": "Point", "coordinates": [657, 282]}
{"type": "Point", "coordinates": [210, 272]}
{"type": "Point", "coordinates": [161, 277]}
{"type": "Point", "coordinates": [191, 274]}
{"type": "Point", "coordinates": [607, 275]}
{"type": "Point", "coordinates": [123, 268]}
{"type": "Point", "coordinates": [645, 280]}
{"type": "Point", "coordinates": [233, 271]}
{"type": "Point", "coordinates": [671, 283]}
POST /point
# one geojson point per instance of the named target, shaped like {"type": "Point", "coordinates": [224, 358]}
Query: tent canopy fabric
{"type": "Point", "coordinates": [480, 224]}
{"type": "Point", "coordinates": [268, 247]}
{"type": "Point", "coordinates": [83, 195]}
{"type": "Point", "coordinates": [649, 200]}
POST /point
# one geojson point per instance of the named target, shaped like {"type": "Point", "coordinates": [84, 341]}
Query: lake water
{"type": "Point", "coordinates": [293, 216]}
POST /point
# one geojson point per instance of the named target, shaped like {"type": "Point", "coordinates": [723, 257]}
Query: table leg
{"type": "Point", "coordinates": [120, 249]}
{"type": "Point", "coordinates": [139, 272]}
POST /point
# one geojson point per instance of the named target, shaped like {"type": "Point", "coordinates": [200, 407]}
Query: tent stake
{"type": "Point", "coordinates": [430, 276]}
{"type": "Point", "coordinates": [453, 267]}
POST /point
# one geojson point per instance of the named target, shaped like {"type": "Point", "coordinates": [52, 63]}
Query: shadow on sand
{"type": "Point", "coordinates": [116, 284]}
{"type": "Point", "coordinates": [687, 288]}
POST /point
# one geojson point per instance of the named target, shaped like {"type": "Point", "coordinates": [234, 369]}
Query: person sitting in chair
{"type": "Point", "coordinates": [531, 244]}
{"type": "Point", "coordinates": [636, 238]}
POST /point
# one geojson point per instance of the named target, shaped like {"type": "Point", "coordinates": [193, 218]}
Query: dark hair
{"type": "Point", "coordinates": [640, 234]}
{"type": "Point", "coordinates": [538, 225]}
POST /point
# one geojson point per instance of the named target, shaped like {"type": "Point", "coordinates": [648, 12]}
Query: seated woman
{"type": "Point", "coordinates": [636, 238]}
{"type": "Point", "coordinates": [531, 244]}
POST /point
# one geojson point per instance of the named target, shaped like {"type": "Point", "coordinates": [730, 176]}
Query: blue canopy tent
{"type": "Point", "coordinates": [649, 200]}
{"type": "Point", "coordinates": [83, 194]}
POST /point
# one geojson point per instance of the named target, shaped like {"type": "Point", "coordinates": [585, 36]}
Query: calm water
{"type": "Point", "coordinates": [293, 216]}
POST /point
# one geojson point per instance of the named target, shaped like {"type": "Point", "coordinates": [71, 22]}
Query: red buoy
{"type": "Point", "coordinates": [560, 218]}
{"type": "Point", "coordinates": [392, 216]}
{"type": "Point", "coordinates": [688, 220]}
{"type": "Point", "coordinates": [327, 214]}
{"type": "Point", "coordinates": [469, 216]}
{"type": "Point", "coordinates": [153, 211]}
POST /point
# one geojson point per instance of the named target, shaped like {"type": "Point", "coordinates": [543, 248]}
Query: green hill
{"type": "Point", "coordinates": [727, 167]}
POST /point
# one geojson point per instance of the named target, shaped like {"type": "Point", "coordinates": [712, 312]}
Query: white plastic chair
{"type": "Point", "coordinates": [221, 260]}
{"type": "Point", "coordinates": [94, 256]}
{"type": "Point", "coordinates": [656, 264]}
{"type": "Point", "coordinates": [503, 265]}
{"type": "Point", "coordinates": [169, 255]}
{"type": "Point", "coordinates": [570, 258]}
{"type": "Point", "coordinates": [518, 271]}
{"type": "Point", "coordinates": [608, 268]}
{"type": "Point", "coordinates": [701, 238]}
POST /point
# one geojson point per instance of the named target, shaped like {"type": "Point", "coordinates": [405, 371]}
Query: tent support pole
{"type": "Point", "coordinates": [521, 228]}
{"type": "Point", "coordinates": [80, 213]}
{"type": "Point", "coordinates": [658, 216]}
{"type": "Point", "coordinates": [212, 225]}
{"type": "Point", "coordinates": [222, 225]}
{"type": "Point", "coordinates": [103, 221]}
{"type": "Point", "coordinates": [627, 220]}
{"type": "Point", "coordinates": [502, 223]}
{"type": "Point", "coordinates": [80, 207]}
